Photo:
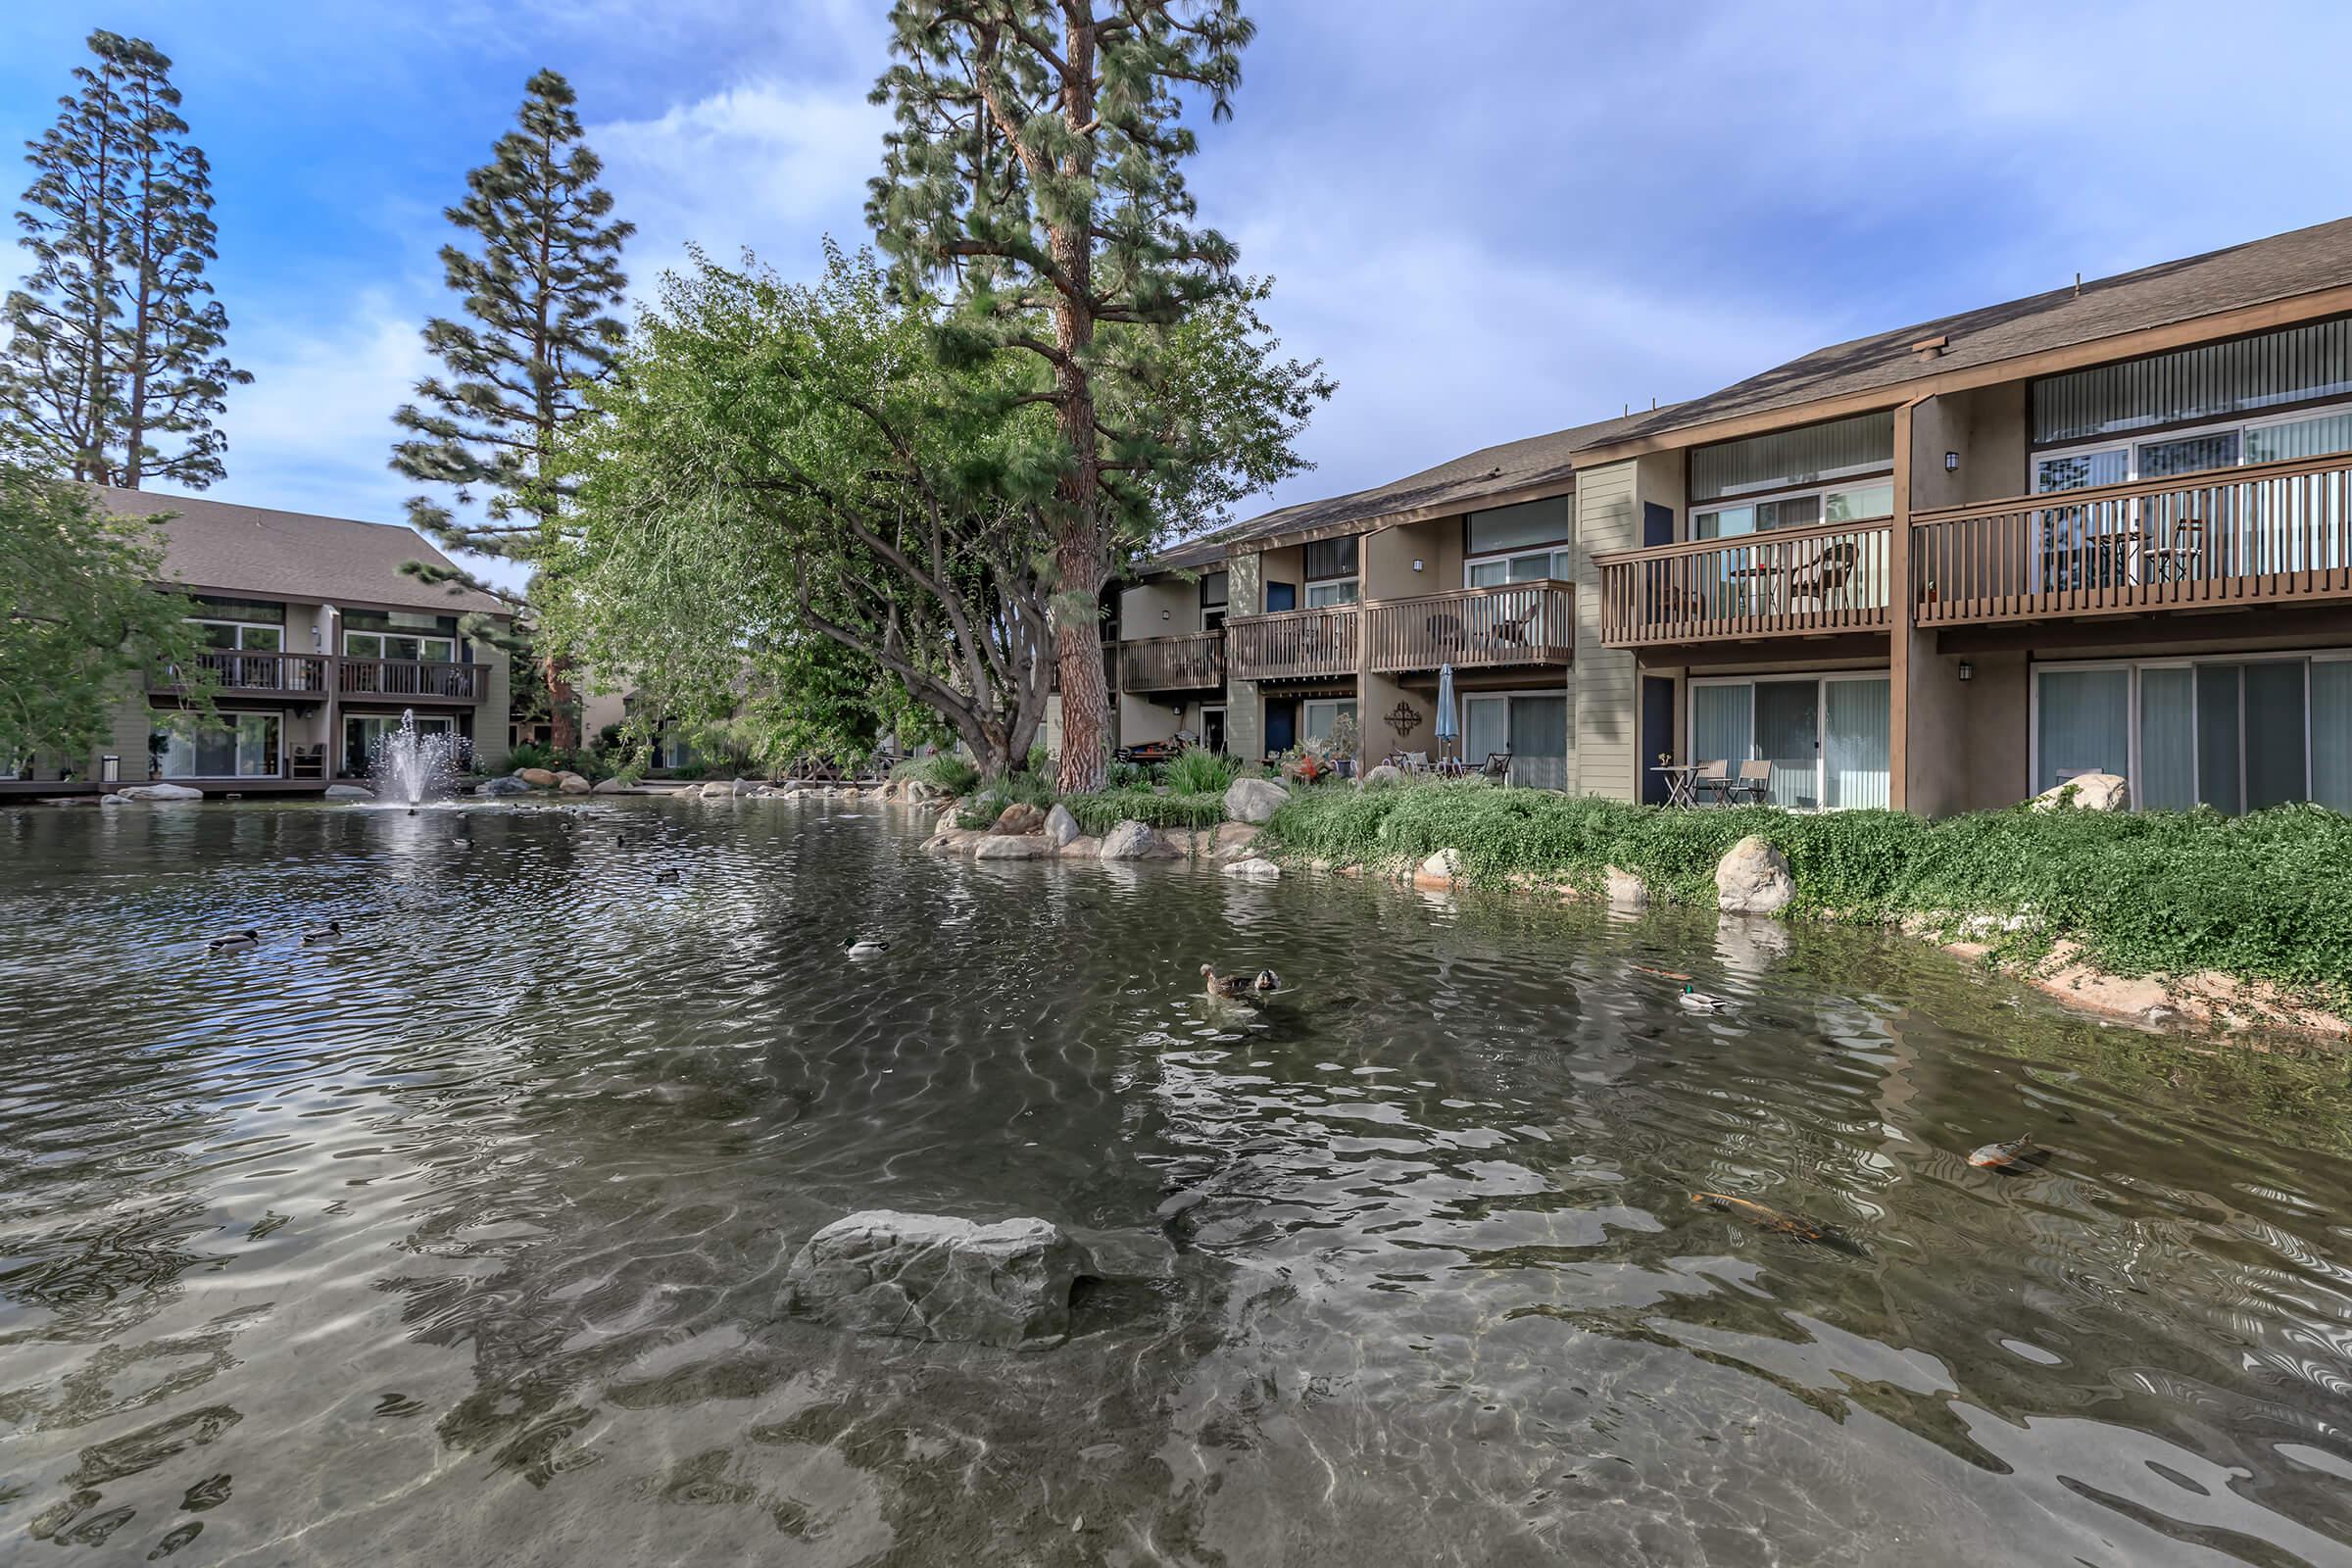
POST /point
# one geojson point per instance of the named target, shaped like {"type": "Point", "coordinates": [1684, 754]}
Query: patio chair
{"type": "Point", "coordinates": [1827, 573]}
{"type": "Point", "coordinates": [1498, 768]}
{"type": "Point", "coordinates": [1752, 785]}
{"type": "Point", "coordinates": [1416, 761]}
{"type": "Point", "coordinates": [1713, 778]}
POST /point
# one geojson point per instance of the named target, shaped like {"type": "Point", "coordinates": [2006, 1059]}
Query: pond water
{"type": "Point", "coordinates": [460, 1241]}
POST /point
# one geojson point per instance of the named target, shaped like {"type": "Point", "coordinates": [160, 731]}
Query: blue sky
{"type": "Point", "coordinates": [1489, 219]}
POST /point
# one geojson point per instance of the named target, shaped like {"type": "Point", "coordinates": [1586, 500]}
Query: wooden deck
{"type": "Point", "coordinates": [1473, 628]}
{"type": "Point", "coordinates": [1292, 643]}
{"type": "Point", "coordinates": [1189, 662]}
{"type": "Point", "coordinates": [1822, 581]}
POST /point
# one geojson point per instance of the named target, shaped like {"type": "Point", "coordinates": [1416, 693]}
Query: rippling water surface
{"type": "Point", "coordinates": [459, 1242]}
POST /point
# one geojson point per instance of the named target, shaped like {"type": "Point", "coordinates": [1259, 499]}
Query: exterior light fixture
{"type": "Point", "coordinates": [1164, 616]}
{"type": "Point", "coordinates": [1951, 463]}
{"type": "Point", "coordinates": [1967, 672]}
{"type": "Point", "coordinates": [1416, 566]}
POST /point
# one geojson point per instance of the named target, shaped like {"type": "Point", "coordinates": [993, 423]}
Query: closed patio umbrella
{"type": "Point", "coordinates": [1448, 727]}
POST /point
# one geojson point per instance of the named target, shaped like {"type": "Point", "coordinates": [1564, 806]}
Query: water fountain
{"type": "Point", "coordinates": [408, 766]}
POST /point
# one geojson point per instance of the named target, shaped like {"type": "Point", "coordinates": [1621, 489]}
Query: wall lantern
{"type": "Point", "coordinates": [1951, 463]}
{"type": "Point", "coordinates": [1416, 566]}
{"type": "Point", "coordinates": [1967, 672]}
{"type": "Point", "coordinates": [1165, 615]}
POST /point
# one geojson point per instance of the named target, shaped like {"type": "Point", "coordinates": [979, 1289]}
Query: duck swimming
{"type": "Point", "coordinates": [321, 933]}
{"type": "Point", "coordinates": [2015, 1155]}
{"type": "Point", "coordinates": [1764, 1217]}
{"type": "Point", "coordinates": [864, 947]}
{"type": "Point", "coordinates": [670, 875]}
{"type": "Point", "coordinates": [1238, 986]}
{"type": "Point", "coordinates": [235, 941]}
{"type": "Point", "coordinates": [1700, 1002]}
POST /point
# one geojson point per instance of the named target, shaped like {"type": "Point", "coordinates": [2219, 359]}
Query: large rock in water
{"type": "Point", "coordinates": [511, 784]}
{"type": "Point", "coordinates": [349, 792]}
{"type": "Point", "coordinates": [1752, 878]}
{"type": "Point", "coordinates": [1001, 845]}
{"type": "Point", "coordinates": [1060, 825]}
{"type": "Point", "coordinates": [162, 791]}
{"type": "Point", "coordinates": [1626, 891]}
{"type": "Point", "coordinates": [572, 784]}
{"type": "Point", "coordinates": [929, 1277]}
{"type": "Point", "coordinates": [2092, 792]}
{"type": "Point", "coordinates": [1253, 800]}
{"type": "Point", "coordinates": [615, 786]}
{"type": "Point", "coordinates": [1132, 840]}
{"type": "Point", "coordinates": [538, 778]}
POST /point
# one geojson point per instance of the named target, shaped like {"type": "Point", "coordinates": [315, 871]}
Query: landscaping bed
{"type": "Point", "coordinates": [2265, 898]}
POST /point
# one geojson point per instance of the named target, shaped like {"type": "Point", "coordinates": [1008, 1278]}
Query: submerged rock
{"type": "Point", "coordinates": [1752, 878]}
{"type": "Point", "coordinates": [932, 1277]}
{"type": "Point", "coordinates": [1626, 891]}
{"type": "Point", "coordinates": [349, 792]}
{"type": "Point", "coordinates": [162, 792]}
{"type": "Point", "coordinates": [1253, 800]}
{"type": "Point", "coordinates": [1256, 869]}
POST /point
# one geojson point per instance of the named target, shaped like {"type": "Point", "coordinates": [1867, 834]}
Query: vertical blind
{"type": "Point", "coordinates": [2210, 379]}
{"type": "Point", "coordinates": [1863, 443]}
{"type": "Point", "coordinates": [2168, 741]}
{"type": "Point", "coordinates": [2085, 724]}
{"type": "Point", "coordinates": [2332, 733]}
{"type": "Point", "coordinates": [1856, 749]}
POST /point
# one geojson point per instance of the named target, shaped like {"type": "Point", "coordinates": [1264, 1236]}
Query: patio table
{"type": "Point", "coordinates": [1679, 778]}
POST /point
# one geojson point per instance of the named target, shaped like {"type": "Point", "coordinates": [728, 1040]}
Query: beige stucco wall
{"type": "Point", "coordinates": [1987, 427]}
{"type": "Point", "coordinates": [1140, 608]}
{"type": "Point", "coordinates": [1244, 714]}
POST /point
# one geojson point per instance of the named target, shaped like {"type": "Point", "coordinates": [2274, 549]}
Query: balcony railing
{"type": "Point", "coordinates": [1473, 628]}
{"type": "Point", "coordinates": [252, 672]}
{"type": "Point", "coordinates": [1190, 661]}
{"type": "Point", "coordinates": [2281, 532]}
{"type": "Point", "coordinates": [435, 680]}
{"type": "Point", "coordinates": [1804, 582]}
{"type": "Point", "coordinates": [1293, 643]}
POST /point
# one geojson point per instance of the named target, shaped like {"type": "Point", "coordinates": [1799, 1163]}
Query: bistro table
{"type": "Point", "coordinates": [1680, 780]}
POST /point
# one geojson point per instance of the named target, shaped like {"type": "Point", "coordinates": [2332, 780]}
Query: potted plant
{"type": "Point", "coordinates": [1343, 745]}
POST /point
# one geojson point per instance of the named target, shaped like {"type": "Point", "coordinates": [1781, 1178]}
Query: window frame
{"type": "Point", "coordinates": [1822, 490]}
{"type": "Point", "coordinates": [1821, 679]}
{"type": "Point", "coordinates": [2129, 445]}
{"type": "Point", "coordinates": [160, 723]}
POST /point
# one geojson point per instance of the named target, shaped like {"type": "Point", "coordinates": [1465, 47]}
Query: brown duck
{"type": "Point", "coordinates": [1764, 1217]}
{"type": "Point", "coordinates": [1237, 987]}
{"type": "Point", "coordinates": [2016, 1154]}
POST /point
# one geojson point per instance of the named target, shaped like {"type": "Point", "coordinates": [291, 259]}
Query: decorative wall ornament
{"type": "Point", "coordinates": [1403, 718]}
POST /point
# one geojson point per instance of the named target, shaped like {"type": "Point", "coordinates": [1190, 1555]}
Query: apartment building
{"type": "Point", "coordinates": [2107, 528]}
{"type": "Point", "coordinates": [317, 643]}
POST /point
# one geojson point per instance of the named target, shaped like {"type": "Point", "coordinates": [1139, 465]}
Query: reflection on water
{"type": "Point", "coordinates": [459, 1241]}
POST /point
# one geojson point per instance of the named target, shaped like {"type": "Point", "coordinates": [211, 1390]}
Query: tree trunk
{"type": "Point", "coordinates": [562, 733]}
{"type": "Point", "coordinates": [1080, 557]}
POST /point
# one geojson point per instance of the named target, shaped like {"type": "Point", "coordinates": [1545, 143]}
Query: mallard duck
{"type": "Point", "coordinates": [321, 933]}
{"type": "Point", "coordinates": [234, 942]}
{"type": "Point", "coordinates": [1764, 1217]}
{"type": "Point", "coordinates": [864, 947]}
{"type": "Point", "coordinates": [669, 875]}
{"type": "Point", "coordinates": [2010, 1155]}
{"type": "Point", "coordinates": [1232, 985]}
{"type": "Point", "coordinates": [1694, 1001]}
{"type": "Point", "coordinates": [1267, 981]}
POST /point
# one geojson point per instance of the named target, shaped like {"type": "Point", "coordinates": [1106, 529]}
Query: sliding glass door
{"type": "Point", "coordinates": [2236, 735]}
{"type": "Point", "coordinates": [1532, 727]}
{"type": "Point", "coordinates": [1826, 737]}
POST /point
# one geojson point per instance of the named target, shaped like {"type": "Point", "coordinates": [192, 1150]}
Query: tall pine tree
{"type": "Point", "coordinates": [1038, 156]}
{"type": "Point", "coordinates": [539, 286]}
{"type": "Point", "coordinates": [113, 369]}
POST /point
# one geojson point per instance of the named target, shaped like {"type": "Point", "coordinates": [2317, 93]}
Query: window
{"type": "Point", "coordinates": [2235, 734]}
{"type": "Point", "coordinates": [1854, 503]}
{"type": "Point", "coordinates": [1829, 738]}
{"type": "Point", "coordinates": [240, 745]}
{"type": "Point", "coordinates": [1521, 527]}
{"type": "Point", "coordinates": [1331, 572]}
{"type": "Point", "coordinates": [1791, 459]}
{"type": "Point", "coordinates": [1531, 726]}
{"type": "Point", "coordinates": [1317, 715]}
{"type": "Point", "coordinates": [1212, 600]}
{"type": "Point", "coordinates": [2294, 365]}
{"type": "Point", "coordinates": [395, 645]}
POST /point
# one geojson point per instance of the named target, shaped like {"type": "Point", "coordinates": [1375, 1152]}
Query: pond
{"type": "Point", "coordinates": [460, 1240]}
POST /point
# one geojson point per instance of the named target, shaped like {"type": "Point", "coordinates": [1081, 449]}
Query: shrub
{"type": "Point", "coordinates": [689, 771]}
{"type": "Point", "coordinates": [942, 769]}
{"type": "Point", "coordinates": [1098, 813]}
{"type": "Point", "coordinates": [2266, 896]}
{"type": "Point", "coordinates": [1198, 772]}
{"type": "Point", "coordinates": [993, 795]}
{"type": "Point", "coordinates": [1133, 775]}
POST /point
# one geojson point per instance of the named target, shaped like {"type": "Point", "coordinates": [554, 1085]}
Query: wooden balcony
{"type": "Point", "coordinates": [2279, 533]}
{"type": "Point", "coordinates": [1192, 662]}
{"type": "Point", "coordinates": [239, 672]}
{"type": "Point", "coordinates": [1473, 628]}
{"type": "Point", "coordinates": [1820, 581]}
{"type": "Point", "coordinates": [1292, 643]}
{"type": "Point", "coordinates": [410, 680]}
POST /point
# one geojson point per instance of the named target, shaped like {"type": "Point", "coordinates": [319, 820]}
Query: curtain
{"type": "Point", "coordinates": [2168, 741]}
{"type": "Point", "coordinates": [1789, 733]}
{"type": "Point", "coordinates": [2085, 724]}
{"type": "Point", "coordinates": [2332, 733]}
{"type": "Point", "coordinates": [1539, 742]}
{"type": "Point", "coordinates": [1720, 723]}
{"type": "Point", "coordinates": [1857, 744]}
{"type": "Point", "coordinates": [1486, 728]}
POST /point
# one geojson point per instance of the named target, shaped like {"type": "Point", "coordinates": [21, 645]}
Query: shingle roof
{"type": "Point", "coordinates": [228, 548]}
{"type": "Point", "coordinates": [1460, 484]}
{"type": "Point", "coordinates": [2302, 262]}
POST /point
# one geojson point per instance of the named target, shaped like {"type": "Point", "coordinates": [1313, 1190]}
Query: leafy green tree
{"type": "Point", "coordinates": [540, 277]}
{"type": "Point", "coordinates": [82, 617]}
{"type": "Point", "coordinates": [778, 466]}
{"type": "Point", "coordinates": [114, 341]}
{"type": "Point", "coordinates": [1037, 159]}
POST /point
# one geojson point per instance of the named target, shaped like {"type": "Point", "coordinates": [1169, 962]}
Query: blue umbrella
{"type": "Point", "coordinates": [1448, 727]}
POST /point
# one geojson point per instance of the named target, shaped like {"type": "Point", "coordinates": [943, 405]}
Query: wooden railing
{"type": "Point", "coordinates": [1293, 643]}
{"type": "Point", "coordinates": [2281, 532]}
{"type": "Point", "coordinates": [1190, 661]}
{"type": "Point", "coordinates": [439, 680]}
{"type": "Point", "coordinates": [1473, 628]}
{"type": "Point", "coordinates": [1790, 582]}
{"type": "Point", "coordinates": [249, 672]}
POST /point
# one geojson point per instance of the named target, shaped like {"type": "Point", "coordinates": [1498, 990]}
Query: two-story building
{"type": "Point", "coordinates": [1853, 570]}
{"type": "Point", "coordinates": [318, 642]}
